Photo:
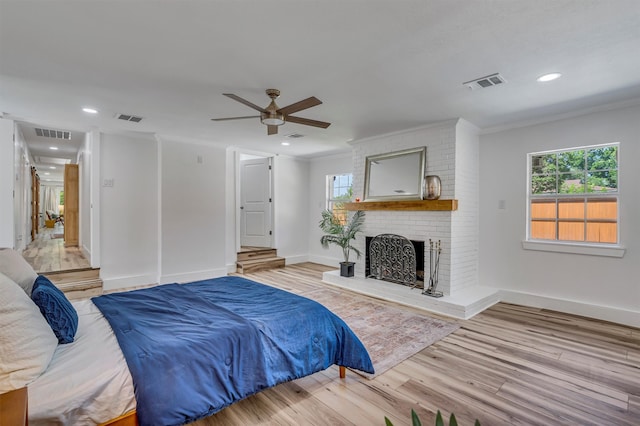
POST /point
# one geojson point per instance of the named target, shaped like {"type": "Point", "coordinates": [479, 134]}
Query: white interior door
{"type": "Point", "coordinates": [255, 202]}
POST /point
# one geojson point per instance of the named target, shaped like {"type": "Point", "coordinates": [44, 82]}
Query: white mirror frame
{"type": "Point", "coordinates": [415, 177]}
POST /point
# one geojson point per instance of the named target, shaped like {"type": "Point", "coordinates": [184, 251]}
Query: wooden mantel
{"type": "Point", "coordinates": [406, 205]}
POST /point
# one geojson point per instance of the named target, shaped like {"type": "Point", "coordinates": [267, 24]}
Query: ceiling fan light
{"type": "Point", "coordinates": [272, 118]}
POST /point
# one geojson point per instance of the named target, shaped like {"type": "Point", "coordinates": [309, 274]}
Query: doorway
{"type": "Point", "coordinates": [54, 244]}
{"type": "Point", "coordinates": [256, 201]}
{"type": "Point", "coordinates": [53, 205]}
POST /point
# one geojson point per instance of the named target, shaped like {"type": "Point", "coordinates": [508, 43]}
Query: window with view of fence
{"type": "Point", "coordinates": [573, 195]}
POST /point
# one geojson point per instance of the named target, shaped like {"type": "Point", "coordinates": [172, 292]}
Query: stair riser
{"type": "Point", "coordinates": [273, 264]}
{"type": "Point", "coordinates": [78, 284]}
{"type": "Point", "coordinates": [251, 255]}
{"type": "Point", "coordinates": [73, 276]}
{"type": "Point", "coordinates": [84, 293]}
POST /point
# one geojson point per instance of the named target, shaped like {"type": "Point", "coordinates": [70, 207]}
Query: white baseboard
{"type": "Point", "coordinates": [606, 313]}
{"type": "Point", "coordinates": [231, 267]}
{"type": "Point", "coordinates": [117, 283]}
{"type": "Point", "coordinates": [324, 260]}
{"type": "Point", "coordinates": [186, 277]}
{"type": "Point", "coordinates": [290, 260]}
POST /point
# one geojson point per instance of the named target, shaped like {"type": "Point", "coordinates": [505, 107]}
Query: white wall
{"type": "Point", "coordinates": [601, 287]}
{"type": "Point", "coordinates": [231, 249]}
{"type": "Point", "coordinates": [319, 168]}
{"type": "Point", "coordinates": [6, 183]}
{"type": "Point", "coordinates": [95, 201]}
{"type": "Point", "coordinates": [193, 212]}
{"type": "Point", "coordinates": [291, 208]}
{"type": "Point", "coordinates": [84, 165]}
{"type": "Point", "coordinates": [22, 192]}
{"type": "Point", "coordinates": [129, 211]}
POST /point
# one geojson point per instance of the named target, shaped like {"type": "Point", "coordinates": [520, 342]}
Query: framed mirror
{"type": "Point", "coordinates": [395, 176]}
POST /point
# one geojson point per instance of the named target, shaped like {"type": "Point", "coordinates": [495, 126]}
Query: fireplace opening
{"type": "Point", "coordinates": [393, 259]}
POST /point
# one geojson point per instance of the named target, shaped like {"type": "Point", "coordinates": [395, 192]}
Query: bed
{"type": "Point", "coordinates": [150, 354]}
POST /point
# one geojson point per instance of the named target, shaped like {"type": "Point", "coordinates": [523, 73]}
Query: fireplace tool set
{"type": "Point", "coordinates": [434, 265]}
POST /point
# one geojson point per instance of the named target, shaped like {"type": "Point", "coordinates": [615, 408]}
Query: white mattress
{"type": "Point", "coordinates": [87, 381]}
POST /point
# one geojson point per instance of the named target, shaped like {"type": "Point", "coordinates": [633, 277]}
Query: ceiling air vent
{"type": "Point", "coordinates": [484, 82]}
{"type": "Point", "coordinates": [127, 117]}
{"type": "Point", "coordinates": [56, 134]}
{"type": "Point", "coordinates": [295, 136]}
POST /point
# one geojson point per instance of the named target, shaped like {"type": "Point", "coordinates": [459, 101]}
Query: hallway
{"type": "Point", "coordinates": [47, 252]}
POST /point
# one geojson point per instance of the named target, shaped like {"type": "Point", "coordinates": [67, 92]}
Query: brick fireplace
{"type": "Point", "coordinates": [453, 155]}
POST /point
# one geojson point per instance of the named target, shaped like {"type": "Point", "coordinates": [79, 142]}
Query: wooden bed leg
{"type": "Point", "coordinates": [343, 371]}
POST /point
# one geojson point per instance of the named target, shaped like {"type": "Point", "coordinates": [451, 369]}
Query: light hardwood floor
{"type": "Point", "coordinates": [46, 254]}
{"type": "Point", "coordinates": [510, 365]}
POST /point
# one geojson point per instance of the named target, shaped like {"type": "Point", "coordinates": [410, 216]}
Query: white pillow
{"type": "Point", "coordinates": [13, 265]}
{"type": "Point", "coordinates": [27, 343]}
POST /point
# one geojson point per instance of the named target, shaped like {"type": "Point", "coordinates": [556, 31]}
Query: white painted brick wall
{"type": "Point", "coordinates": [459, 258]}
{"type": "Point", "coordinates": [465, 225]}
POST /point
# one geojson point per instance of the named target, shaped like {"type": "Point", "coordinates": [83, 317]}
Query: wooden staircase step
{"type": "Point", "coordinates": [254, 265]}
{"type": "Point", "coordinates": [82, 289]}
{"type": "Point", "coordinates": [262, 253]}
{"type": "Point", "coordinates": [73, 275]}
{"type": "Point", "coordinates": [77, 284]}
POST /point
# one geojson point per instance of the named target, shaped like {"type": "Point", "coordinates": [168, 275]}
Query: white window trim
{"type": "Point", "coordinates": [593, 249]}
{"type": "Point", "coordinates": [329, 189]}
{"type": "Point", "coordinates": [575, 248]}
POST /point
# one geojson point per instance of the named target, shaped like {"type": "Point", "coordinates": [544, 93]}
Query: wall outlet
{"type": "Point", "coordinates": [107, 183]}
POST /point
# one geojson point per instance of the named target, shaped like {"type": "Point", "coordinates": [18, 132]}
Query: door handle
{"type": "Point", "coordinates": [241, 207]}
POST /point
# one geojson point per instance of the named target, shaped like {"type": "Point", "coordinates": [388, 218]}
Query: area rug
{"type": "Point", "coordinates": [390, 334]}
{"type": "Point", "coordinates": [55, 236]}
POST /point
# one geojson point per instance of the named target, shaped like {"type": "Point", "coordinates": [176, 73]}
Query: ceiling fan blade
{"type": "Point", "coordinates": [272, 130]}
{"type": "Point", "coordinates": [235, 118]}
{"type": "Point", "coordinates": [244, 101]}
{"type": "Point", "coordinates": [299, 106]}
{"type": "Point", "coordinates": [307, 121]}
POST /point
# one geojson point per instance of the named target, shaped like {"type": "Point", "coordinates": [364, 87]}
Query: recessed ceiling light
{"type": "Point", "coordinates": [52, 167]}
{"type": "Point", "coordinates": [90, 110]}
{"type": "Point", "coordinates": [549, 77]}
{"type": "Point", "coordinates": [285, 143]}
{"type": "Point", "coordinates": [47, 173]}
{"type": "Point", "coordinates": [55, 148]}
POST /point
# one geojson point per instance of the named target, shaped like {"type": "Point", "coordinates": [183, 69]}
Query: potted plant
{"type": "Point", "coordinates": [340, 231]}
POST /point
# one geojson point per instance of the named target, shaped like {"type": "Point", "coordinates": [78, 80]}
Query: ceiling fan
{"type": "Point", "coordinates": [273, 116]}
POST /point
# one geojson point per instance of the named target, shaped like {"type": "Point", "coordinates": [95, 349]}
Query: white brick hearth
{"type": "Point", "coordinates": [464, 304]}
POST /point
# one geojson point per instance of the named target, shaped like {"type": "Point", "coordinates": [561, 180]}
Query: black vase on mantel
{"type": "Point", "coordinates": [347, 269]}
{"type": "Point", "coordinates": [432, 187]}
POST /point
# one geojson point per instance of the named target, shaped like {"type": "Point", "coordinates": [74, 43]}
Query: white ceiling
{"type": "Point", "coordinates": [378, 66]}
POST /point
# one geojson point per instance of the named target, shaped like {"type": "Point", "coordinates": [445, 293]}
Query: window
{"type": "Point", "coordinates": [339, 190]}
{"type": "Point", "coordinates": [573, 195]}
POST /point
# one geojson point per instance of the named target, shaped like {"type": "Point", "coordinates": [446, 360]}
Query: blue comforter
{"type": "Point", "coordinates": [196, 348]}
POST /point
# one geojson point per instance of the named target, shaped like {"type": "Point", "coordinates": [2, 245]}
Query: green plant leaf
{"type": "Point", "coordinates": [339, 233]}
{"type": "Point", "coordinates": [439, 421]}
{"type": "Point", "coordinates": [415, 419]}
{"type": "Point", "coordinates": [387, 421]}
{"type": "Point", "coordinates": [477, 423]}
{"type": "Point", "coordinates": [452, 420]}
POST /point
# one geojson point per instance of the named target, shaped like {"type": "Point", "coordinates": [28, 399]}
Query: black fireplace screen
{"type": "Point", "coordinates": [394, 258]}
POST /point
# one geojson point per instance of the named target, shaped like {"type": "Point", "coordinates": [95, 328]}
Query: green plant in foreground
{"type": "Point", "coordinates": [415, 420]}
